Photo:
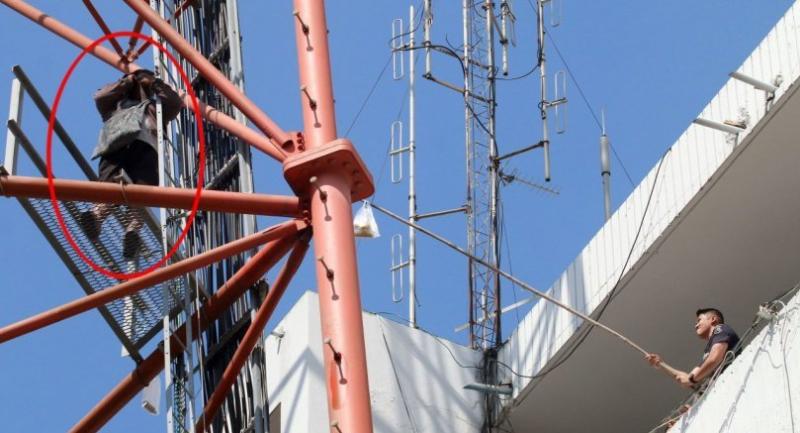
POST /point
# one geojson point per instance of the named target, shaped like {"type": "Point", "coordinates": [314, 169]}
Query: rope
{"type": "Point", "coordinates": [668, 423]}
{"type": "Point", "coordinates": [664, 366]}
{"type": "Point", "coordinates": [369, 95]}
{"type": "Point", "coordinates": [124, 196]}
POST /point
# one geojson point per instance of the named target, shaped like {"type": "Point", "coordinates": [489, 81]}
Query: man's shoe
{"type": "Point", "coordinates": [88, 222]}
{"type": "Point", "coordinates": [130, 245]}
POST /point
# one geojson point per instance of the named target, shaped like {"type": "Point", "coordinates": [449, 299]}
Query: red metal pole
{"type": "Point", "coordinates": [251, 337]}
{"type": "Point", "coordinates": [68, 33]}
{"type": "Point", "coordinates": [212, 74]}
{"type": "Point", "coordinates": [238, 129]}
{"type": "Point", "coordinates": [141, 49]}
{"type": "Point", "coordinates": [134, 285]}
{"type": "Point", "coordinates": [76, 38]}
{"type": "Point", "coordinates": [154, 196]}
{"type": "Point", "coordinates": [334, 245]}
{"type": "Point", "coordinates": [137, 27]}
{"type": "Point", "coordinates": [103, 26]}
{"type": "Point", "coordinates": [148, 369]}
{"type": "Point", "coordinates": [133, 56]}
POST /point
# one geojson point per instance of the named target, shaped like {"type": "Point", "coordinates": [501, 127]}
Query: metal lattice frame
{"type": "Point", "coordinates": [211, 27]}
{"type": "Point", "coordinates": [482, 179]}
{"type": "Point", "coordinates": [327, 175]}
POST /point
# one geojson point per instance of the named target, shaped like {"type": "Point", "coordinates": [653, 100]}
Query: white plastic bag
{"type": "Point", "coordinates": [364, 224]}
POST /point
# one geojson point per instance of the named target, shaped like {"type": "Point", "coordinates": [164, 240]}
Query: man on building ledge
{"type": "Point", "coordinates": [721, 338]}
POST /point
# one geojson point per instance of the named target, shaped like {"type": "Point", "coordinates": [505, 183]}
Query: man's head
{"type": "Point", "coordinates": [144, 77]}
{"type": "Point", "coordinates": [707, 319]}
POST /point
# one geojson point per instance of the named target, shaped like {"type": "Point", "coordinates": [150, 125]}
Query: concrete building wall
{"type": "Point", "coordinates": [416, 380]}
{"type": "Point", "coordinates": [680, 178]}
{"type": "Point", "coordinates": [760, 391]}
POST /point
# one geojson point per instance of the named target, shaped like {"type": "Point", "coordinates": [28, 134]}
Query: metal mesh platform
{"type": "Point", "coordinates": [135, 319]}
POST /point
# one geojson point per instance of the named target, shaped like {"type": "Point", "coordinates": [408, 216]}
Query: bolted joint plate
{"type": "Point", "coordinates": [337, 156]}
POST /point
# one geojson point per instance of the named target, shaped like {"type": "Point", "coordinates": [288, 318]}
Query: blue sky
{"type": "Point", "coordinates": [653, 65]}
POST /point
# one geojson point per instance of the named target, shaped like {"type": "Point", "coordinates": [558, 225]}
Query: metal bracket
{"type": "Point", "coordinates": [398, 60]}
{"type": "Point", "coordinates": [556, 12]}
{"type": "Point", "coordinates": [560, 101]}
{"type": "Point", "coordinates": [396, 149]}
{"type": "Point", "coordinates": [336, 155]}
{"type": "Point", "coordinates": [398, 264]}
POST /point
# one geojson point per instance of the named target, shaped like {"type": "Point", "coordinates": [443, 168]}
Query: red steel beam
{"type": "Point", "coordinates": [137, 27]}
{"type": "Point", "coordinates": [134, 285]}
{"type": "Point", "coordinates": [103, 26]}
{"type": "Point", "coordinates": [334, 246]}
{"type": "Point", "coordinates": [211, 73]}
{"type": "Point", "coordinates": [212, 309]}
{"type": "Point", "coordinates": [70, 34]}
{"type": "Point", "coordinates": [251, 336]}
{"type": "Point", "coordinates": [154, 196]}
{"type": "Point", "coordinates": [141, 49]}
{"type": "Point", "coordinates": [241, 131]}
{"type": "Point", "coordinates": [221, 120]}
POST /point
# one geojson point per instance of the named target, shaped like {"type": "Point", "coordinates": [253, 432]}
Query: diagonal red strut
{"type": "Point", "coordinates": [103, 26]}
{"type": "Point", "coordinates": [134, 285]}
{"type": "Point", "coordinates": [148, 369]}
{"type": "Point", "coordinates": [251, 337]}
{"type": "Point", "coordinates": [137, 27]}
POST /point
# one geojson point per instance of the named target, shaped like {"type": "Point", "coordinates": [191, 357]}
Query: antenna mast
{"type": "Point", "coordinates": [412, 189]}
{"type": "Point", "coordinates": [605, 167]}
{"type": "Point", "coordinates": [543, 77]}
{"type": "Point", "coordinates": [480, 21]}
{"type": "Point", "coordinates": [482, 177]}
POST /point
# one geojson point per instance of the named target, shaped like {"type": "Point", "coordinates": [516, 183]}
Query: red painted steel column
{"type": "Point", "coordinates": [334, 245]}
{"type": "Point", "coordinates": [132, 384]}
{"type": "Point", "coordinates": [252, 335]}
